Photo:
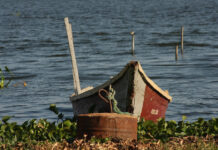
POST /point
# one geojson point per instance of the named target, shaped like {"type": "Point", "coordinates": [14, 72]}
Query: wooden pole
{"type": "Point", "coordinates": [182, 31]}
{"type": "Point", "coordinates": [77, 88]}
{"type": "Point", "coordinates": [176, 53]}
{"type": "Point", "coordinates": [133, 42]}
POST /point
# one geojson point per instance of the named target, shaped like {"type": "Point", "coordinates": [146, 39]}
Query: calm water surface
{"type": "Point", "coordinates": [33, 44]}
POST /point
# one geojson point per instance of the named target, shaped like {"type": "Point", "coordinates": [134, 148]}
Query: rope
{"type": "Point", "coordinates": [103, 98]}
{"type": "Point", "coordinates": [111, 99]}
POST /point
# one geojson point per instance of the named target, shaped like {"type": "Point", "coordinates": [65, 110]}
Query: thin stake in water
{"type": "Point", "coordinates": [133, 42]}
{"type": "Point", "coordinates": [176, 52]}
{"type": "Point", "coordinates": [182, 31]}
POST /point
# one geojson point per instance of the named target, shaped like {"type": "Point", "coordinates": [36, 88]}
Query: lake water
{"type": "Point", "coordinates": [34, 46]}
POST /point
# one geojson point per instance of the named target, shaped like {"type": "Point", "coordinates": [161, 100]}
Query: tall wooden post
{"type": "Point", "coordinates": [77, 88]}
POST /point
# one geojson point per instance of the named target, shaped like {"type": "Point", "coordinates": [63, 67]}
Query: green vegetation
{"type": "Point", "coordinates": [33, 130]}
{"type": "Point", "coordinates": [3, 83]}
{"type": "Point", "coordinates": [64, 130]}
{"type": "Point", "coordinates": [163, 130]}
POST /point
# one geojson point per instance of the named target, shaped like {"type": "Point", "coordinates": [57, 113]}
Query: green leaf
{"type": "Point", "coordinates": [139, 127]}
{"type": "Point", "coordinates": [53, 108]}
{"type": "Point", "coordinates": [215, 128]}
{"type": "Point", "coordinates": [6, 118]}
{"type": "Point", "coordinates": [169, 131]}
{"type": "Point", "coordinates": [50, 135]}
{"type": "Point", "coordinates": [67, 123]}
{"type": "Point", "coordinates": [201, 121]}
{"type": "Point", "coordinates": [2, 82]}
{"type": "Point", "coordinates": [3, 127]}
{"type": "Point", "coordinates": [2, 79]}
{"type": "Point", "coordinates": [172, 122]}
{"type": "Point", "coordinates": [184, 118]}
{"type": "Point", "coordinates": [60, 116]}
{"type": "Point", "coordinates": [6, 68]}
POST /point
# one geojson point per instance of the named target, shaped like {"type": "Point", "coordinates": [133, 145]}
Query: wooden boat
{"type": "Point", "coordinates": [135, 93]}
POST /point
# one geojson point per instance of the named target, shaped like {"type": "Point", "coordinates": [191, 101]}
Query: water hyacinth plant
{"type": "Point", "coordinates": [37, 130]}
{"type": "Point", "coordinates": [163, 130]}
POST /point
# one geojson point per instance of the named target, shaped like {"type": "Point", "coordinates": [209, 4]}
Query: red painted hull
{"type": "Point", "coordinates": [154, 106]}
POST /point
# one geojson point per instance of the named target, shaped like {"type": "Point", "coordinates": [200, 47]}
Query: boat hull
{"type": "Point", "coordinates": [135, 93]}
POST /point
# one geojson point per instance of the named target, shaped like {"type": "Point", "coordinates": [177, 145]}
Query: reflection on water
{"type": "Point", "coordinates": [33, 44]}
